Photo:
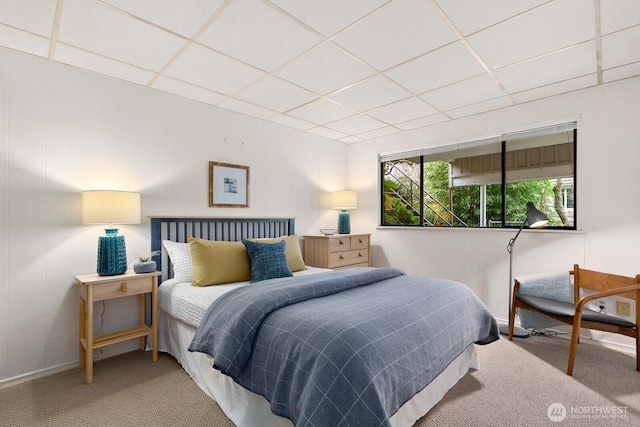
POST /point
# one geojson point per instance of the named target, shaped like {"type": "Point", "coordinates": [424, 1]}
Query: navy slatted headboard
{"type": "Point", "coordinates": [178, 229]}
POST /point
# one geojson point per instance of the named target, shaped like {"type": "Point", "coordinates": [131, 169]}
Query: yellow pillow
{"type": "Point", "coordinates": [215, 263]}
{"type": "Point", "coordinates": [291, 251]}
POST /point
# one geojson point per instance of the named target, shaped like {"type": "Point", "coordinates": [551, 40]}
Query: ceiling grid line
{"type": "Point", "coordinates": [56, 27]}
{"type": "Point", "coordinates": [598, 40]}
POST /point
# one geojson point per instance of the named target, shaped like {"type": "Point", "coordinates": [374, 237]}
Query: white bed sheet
{"type": "Point", "coordinates": [189, 303]}
{"type": "Point", "coordinates": [178, 320]}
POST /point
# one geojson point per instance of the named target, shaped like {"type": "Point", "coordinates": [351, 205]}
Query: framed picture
{"type": "Point", "coordinates": [228, 185]}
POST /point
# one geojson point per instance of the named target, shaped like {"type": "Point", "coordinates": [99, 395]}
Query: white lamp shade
{"type": "Point", "coordinates": [345, 199]}
{"type": "Point", "coordinates": [110, 207]}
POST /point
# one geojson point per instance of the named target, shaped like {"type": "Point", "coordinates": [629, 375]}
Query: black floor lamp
{"type": "Point", "coordinates": [534, 219]}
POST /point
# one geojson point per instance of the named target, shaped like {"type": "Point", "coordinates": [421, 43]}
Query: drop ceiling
{"type": "Point", "coordinates": [346, 70]}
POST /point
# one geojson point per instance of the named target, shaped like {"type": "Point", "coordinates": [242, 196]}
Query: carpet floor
{"type": "Point", "coordinates": [519, 383]}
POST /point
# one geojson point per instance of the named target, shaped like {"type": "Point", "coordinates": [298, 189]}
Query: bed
{"type": "Point", "coordinates": [284, 364]}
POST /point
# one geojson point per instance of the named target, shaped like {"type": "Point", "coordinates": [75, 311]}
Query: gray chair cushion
{"type": "Point", "coordinates": [566, 309]}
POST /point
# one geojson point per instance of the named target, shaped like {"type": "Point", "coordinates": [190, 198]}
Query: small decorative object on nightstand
{"type": "Point", "coordinates": [145, 263]}
{"type": "Point", "coordinates": [92, 288]}
{"type": "Point", "coordinates": [337, 252]}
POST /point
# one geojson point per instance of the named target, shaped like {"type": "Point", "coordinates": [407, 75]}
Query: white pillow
{"type": "Point", "coordinates": [180, 257]}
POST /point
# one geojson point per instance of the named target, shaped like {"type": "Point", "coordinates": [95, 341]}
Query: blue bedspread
{"type": "Point", "coordinates": [343, 348]}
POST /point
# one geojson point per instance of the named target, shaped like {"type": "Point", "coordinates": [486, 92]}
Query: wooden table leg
{"type": "Point", "coordinates": [154, 318]}
{"type": "Point", "coordinates": [81, 328]}
{"type": "Point", "coordinates": [143, 319]}
{"type": "Point", "coordinates": [88, 373]}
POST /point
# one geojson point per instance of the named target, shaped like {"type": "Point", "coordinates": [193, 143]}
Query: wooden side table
{"type": "Point", "coordinates": [92, 288]}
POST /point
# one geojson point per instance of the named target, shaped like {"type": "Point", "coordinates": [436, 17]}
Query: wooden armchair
{"type": "Point", "coordinates": [577, 314]}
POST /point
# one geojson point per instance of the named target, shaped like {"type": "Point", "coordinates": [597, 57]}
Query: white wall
{"type": "Point", "coordinates": [63, 130]}
{"type": "Point", "coordinates": [608, 198]}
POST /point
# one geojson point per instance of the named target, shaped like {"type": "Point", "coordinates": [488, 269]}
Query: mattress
{"type": "Point", "coordinates": [189, 303]}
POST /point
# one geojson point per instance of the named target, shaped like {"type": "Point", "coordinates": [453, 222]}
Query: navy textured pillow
{"type": "Point", "coordinates": [268, 260]}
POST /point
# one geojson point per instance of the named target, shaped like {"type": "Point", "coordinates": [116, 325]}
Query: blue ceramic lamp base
{"type": "Point", "coordinates": [344, 224]}
{"type": "Point", "coordinates": [112, 254]}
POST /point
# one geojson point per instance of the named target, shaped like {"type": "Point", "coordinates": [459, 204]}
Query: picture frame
{"type": "Point", "coordinates": [228, 185]}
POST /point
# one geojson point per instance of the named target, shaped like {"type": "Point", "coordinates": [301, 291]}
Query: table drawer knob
{"type": "Point", "coordinates": [123, 287]}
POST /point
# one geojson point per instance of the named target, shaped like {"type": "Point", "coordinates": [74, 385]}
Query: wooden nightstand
{"type": "Point", "coordinates": [92, 288]}
{"type": "Point", "coordinates": [338, 251]}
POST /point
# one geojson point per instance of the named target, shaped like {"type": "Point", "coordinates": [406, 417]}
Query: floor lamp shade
{"type": "Point", "coordinates": [111, 207]}
{"type": "Point", "coordinates": [343, 200]}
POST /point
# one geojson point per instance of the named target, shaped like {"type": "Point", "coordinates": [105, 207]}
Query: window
{"type": "Point", "coordinates": [484, 183]}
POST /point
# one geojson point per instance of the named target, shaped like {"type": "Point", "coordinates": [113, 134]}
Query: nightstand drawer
{"type": "Point", "coordinates": [341, 259]}
{"type": "Point", "coordinates": [121, 288]}
{"type": "Point", "coordinates": [339, 244]}
{"type": "Point", "coordinates": [360, 242]}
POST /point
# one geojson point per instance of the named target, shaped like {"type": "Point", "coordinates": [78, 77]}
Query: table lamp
{"type": "Point", "coordinates": [111, 207]}
{"type": "Point", "coordinates": [343, 200]}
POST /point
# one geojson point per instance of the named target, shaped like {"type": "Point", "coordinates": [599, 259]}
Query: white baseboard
{"type": "Point", "coordinates": [605, 340]}
{"type": "Point", "coordinates": [100, 354]}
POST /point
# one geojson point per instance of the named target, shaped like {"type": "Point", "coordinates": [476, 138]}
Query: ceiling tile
{"type": "Point", "coordinates": [619, 73]}
{"type": "Point", "coordinates": [621, 48]}
{"type": "Point", "coordinates": [371, 93]}
{"type": "Point", "coordinates": [356, 124]}
{"type": "Point", "coordinates": [100, 64]}
{"type": "Point", "coordinates": [389, 130]}
{"type": "Point", "coordinates": [438, 68]}
{"type": "Point", "coordinates": [246, 108]}
{"type": "Point", "coordinates": [327, 133]}
{"type": "Point", "coordinates": [258, 34]}
{"type": "Point", "coordinates": [350, 139]}
{"type": "Point", "coordinates": [34, 16]}
{"type": "Point", "coordinates": [563, 65]}
{"type": "Point", "coordinates": [100, 29]}
{"type": "Point", "coordinates": [618, 14]}
{"type": "Point", "coordinates": [292, 122]}
{"type": "Point", "coordinates": [184, 17]}
{"type": "Point", "coordinates": [24, 41]}
{"type": "Point", "coordinates": [328, 16]}
{"type": "Point", "coordinates": [212, 70]}
{"type": "Point", "coordinates": [554, 26]}
{"type": "Point", "coordinates": [324, 69]}
{"type": "Point", "coordinates": [402, 111]}
{"type": "Point", "coordinates": [322, 111]}
{"type": "Point", "coordinates": [480, 107]}
{"type": "Point", "coordinates": [555, 89]}
{"type": "Point", "coordinates": [276, 94]}
{"type": "Point", "coordinates": [397, 32]}
{"type": "Point", "coordinates": [471, 16]}
{"type": "Point", "coordinates": [423, 121]}
{"type": "Point", "coordinates": [187, 90]}
{"type": "Point", "coordinates": [466, 92]}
